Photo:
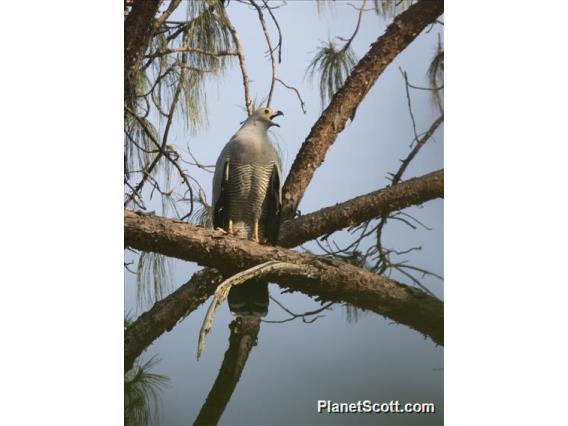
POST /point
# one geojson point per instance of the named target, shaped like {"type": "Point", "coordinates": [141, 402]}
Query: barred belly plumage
{"type": "Point", "coordinates": [247, 185]}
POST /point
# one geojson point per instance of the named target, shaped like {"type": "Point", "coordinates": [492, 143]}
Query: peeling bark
{"type": "Point", "coordinates": [344, 103]}
{"type": "Point", "coordinates": [327, 278]}
{"type": "Point", "coordinates": [330, 219]}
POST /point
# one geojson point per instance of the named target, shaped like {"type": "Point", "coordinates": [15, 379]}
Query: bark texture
{"type": "Point", "coordinates": [375, 204]}
{"type": "Point", "coordinates": [244, 334]}
{"type": "Point", "coordinates": [326, 278]}
{"type": "Point", "coordinates": [344, 103]}
{"type": "Point", "coordinates": [167, 312]}
{"type": "Point", "coordinates": [138, 31]}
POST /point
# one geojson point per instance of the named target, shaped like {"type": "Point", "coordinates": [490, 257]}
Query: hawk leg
{"type": "Point", "coordinates": [255, 233]}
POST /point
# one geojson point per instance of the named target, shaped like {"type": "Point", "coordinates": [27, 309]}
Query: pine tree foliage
{"type": "Point", "coordinates": [142, 394]}
{"type": "Point", "coordinates": [333, 65]}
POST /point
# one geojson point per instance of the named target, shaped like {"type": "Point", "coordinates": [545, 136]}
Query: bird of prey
{"type": "Point", "coordinates": [247, 199]}
{"type": "Point", "coordinates": [246, 183]}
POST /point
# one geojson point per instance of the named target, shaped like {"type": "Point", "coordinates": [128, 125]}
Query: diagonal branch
{"type": "Point", "coordinates": [344, 103]}
{"type": "Point", "coordinates": [365, 207]}
{"type": "Point", "coordinates": [167, 312]}
{"type": "Point", "coordinates": [243, 337]}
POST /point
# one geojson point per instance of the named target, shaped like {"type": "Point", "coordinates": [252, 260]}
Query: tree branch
{"type": "Point", "coordinates": [242, 63]}
{"type": "Point", "coordinates": [359, 19]}
{"type": "Point", "coordinates": [244, 334]}
{"type": "Point", "coordinates": [419, 144]}
{"type": "Point", "coordinates": [223, 289]}
{"type": "Point", "coordinates": [138, 31]}
{"type": "Point", "coordinates": [365, 207]}
{"type": "Point", "coordinates": [162, 19]}
{"type": "Point", "coordinates": [279, 45]}
{"type": "Point", "coordinates": [344, 103]}
{"type": "Point", "coordinates": [270, 50]}
{"type": "Point", "coordinates": [167, 312]}
{"type": "Point", "coordinates": [296, 91]}
{"type": "Point", "coordinates": [327, 278]}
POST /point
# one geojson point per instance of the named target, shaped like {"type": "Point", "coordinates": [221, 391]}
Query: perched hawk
{"type": "Point", "coordinates": [246, 184]}
{"type": "Point", "coordinates": [247, 198]}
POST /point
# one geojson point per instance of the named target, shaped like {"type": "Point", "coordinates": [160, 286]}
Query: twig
{"type": "Point", "coordinates": [242, 63]}
{"type": "Point", "coordinates": [419, 144]}
{"type": "Point", "coordinates": [416, 281]}
{"type": "Point", "coordinates": [209, 168]}
{"type": "Point", "coordinates": [371, 9]}
{"type": "Point", "coordinates": [295, 90]}
{"type": "Point", "coordinates": [161, 147]}
{"type": "Point", "coordinates": [384, 258]}
{"type": "Point", "coordinates": [279, 45]}
{"type": "Point", "coordinates": [409, 105]}
{"type": "Point", "coordinates": [158, 79]}
{"type": "Point", "coordinates": [431, 89]}
{"type": "Point", "coordinates": [162, 152]}
{"type": "Point", "coordinates": [136, 196]}
{"type": "Point", "coordinates": [415, 220]}
{"type": "Point", "coordinates": [197, 69]}
{"type": "Point", "coordinates": [187, 49]}
{"type": "Point", "coordinates": [359, 18]}
{"type": "Point", "coordinates": [270, 50]}
{"type": "Point", "coordinates": [126, 266]}
{"type": "Point", "coordinates": [293, 316]}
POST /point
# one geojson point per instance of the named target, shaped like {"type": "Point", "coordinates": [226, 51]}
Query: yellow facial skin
{"type": "Point", "coordinates": [268, 114]}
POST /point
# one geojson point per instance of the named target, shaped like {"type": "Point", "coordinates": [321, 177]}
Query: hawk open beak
{"type": "Point", "coordinates": [276, 114]}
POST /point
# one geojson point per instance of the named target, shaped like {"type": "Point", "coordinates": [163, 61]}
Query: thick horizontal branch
{"type": "Point", "coordinates": [375, 204]}
{"type": "Point", "coordinates": [165, 313]}
{"type": "Point", "coordinates": [326, 278]}
{"type": "Point", "coordinates": [344, 103]}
